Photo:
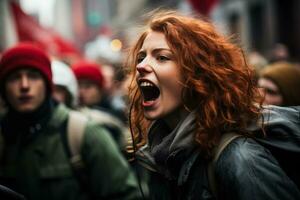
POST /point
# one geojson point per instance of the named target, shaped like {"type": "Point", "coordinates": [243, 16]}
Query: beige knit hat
{"type": "Point", "coordinates": [287, 77]}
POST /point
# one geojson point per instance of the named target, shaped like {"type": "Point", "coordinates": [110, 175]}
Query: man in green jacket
{"type": "Point", "coordinates": [34, 154]}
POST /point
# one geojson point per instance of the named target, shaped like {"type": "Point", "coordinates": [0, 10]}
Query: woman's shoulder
{"type": "Point", "coordinates": [242, 151]}
{"type": "Point", "coordinates": [245, 155]}
{"type": "Point", "coordinates": [249, 168]}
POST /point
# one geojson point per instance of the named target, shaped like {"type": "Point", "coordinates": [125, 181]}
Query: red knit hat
{"type": "Point", "coordinates": [25, 55]}
{"type": "Point", "coordinates": [90, 71]}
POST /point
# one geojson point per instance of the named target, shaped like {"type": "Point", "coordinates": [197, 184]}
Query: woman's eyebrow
{"type": "Point", "coordinates": [156, 50]}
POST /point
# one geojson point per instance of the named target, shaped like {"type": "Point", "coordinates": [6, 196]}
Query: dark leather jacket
{"type": "Point", "coordinates": [245, 170]}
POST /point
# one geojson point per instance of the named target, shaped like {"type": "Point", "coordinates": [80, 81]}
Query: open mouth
{"type": "Point", "coordinates": [149, 91]}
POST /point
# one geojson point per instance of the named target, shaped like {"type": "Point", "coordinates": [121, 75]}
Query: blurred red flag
{"type": "Point", "coordinates": [28, 29]}
{"type": "Point", "coordinates": [203, 6]}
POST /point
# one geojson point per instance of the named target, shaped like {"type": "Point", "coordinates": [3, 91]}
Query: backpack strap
{"type": "Point", "coordinates": [225, 140]}
{"type": "Point", "coordinates": [75, 131]}
{"type": "Point", "coordinates": [72, 141]}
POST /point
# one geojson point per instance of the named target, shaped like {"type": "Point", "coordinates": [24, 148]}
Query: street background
{"type": "Point", "coordinates": [105, 28]}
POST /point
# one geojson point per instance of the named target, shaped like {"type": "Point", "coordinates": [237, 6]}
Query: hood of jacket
{"type": "Point", "coordinates": [282, 127]}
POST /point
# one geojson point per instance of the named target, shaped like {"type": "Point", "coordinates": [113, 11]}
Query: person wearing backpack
{"type": "Point", "coordinates": [37, 141]}
{"type": "Point", "coordinates": [91, 83]}
{"type": "Point", "coordinates": [192, 90]}
{"type": "Point", "coordinates": [66, 92]}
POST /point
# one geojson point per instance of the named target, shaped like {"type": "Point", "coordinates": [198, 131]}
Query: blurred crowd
{"type": "Point", "coordinates": [39, 92]}
{"type": "Point", "coordinates": [277, 76]}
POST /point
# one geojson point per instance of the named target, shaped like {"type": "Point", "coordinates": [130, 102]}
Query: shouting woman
{"type": "Point", "coordinates": [190, 87]}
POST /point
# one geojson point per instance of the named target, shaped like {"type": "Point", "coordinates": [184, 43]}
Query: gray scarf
{"type": "Point", "coordinates": [170, 148]}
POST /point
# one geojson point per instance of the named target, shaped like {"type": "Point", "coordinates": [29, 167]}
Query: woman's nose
{"type": "Point", "coordinates": [144, 66]}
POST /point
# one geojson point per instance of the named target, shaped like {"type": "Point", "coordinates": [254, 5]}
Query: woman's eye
{"type": "Point", "coordinates": [140, 59]}
{"type": "Point", "coordinates": [162, 58]}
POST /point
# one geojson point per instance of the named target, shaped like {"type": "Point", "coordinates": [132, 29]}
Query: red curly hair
{"type": "Point", "coordinates": [215, 75]}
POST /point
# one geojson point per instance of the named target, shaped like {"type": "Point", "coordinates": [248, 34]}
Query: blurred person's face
{"type": "Point", "coordinates": [89, 93]}
{"type": "Point", "coordinates": [159, 78]}
{"type": "Point", "coordinates": [270, 91]}
{"type": "Point", "coordinates": [108, 73]}
{"type": "Point", "coordinates": [25, 90]}
{"type": "Point", "coordinates": [60, 94]}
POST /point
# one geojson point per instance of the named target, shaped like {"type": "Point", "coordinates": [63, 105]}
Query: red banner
{"type": "Point", "coordinates": [203, 6]}
{"type": "Point", "coordinates": [28, 29]}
